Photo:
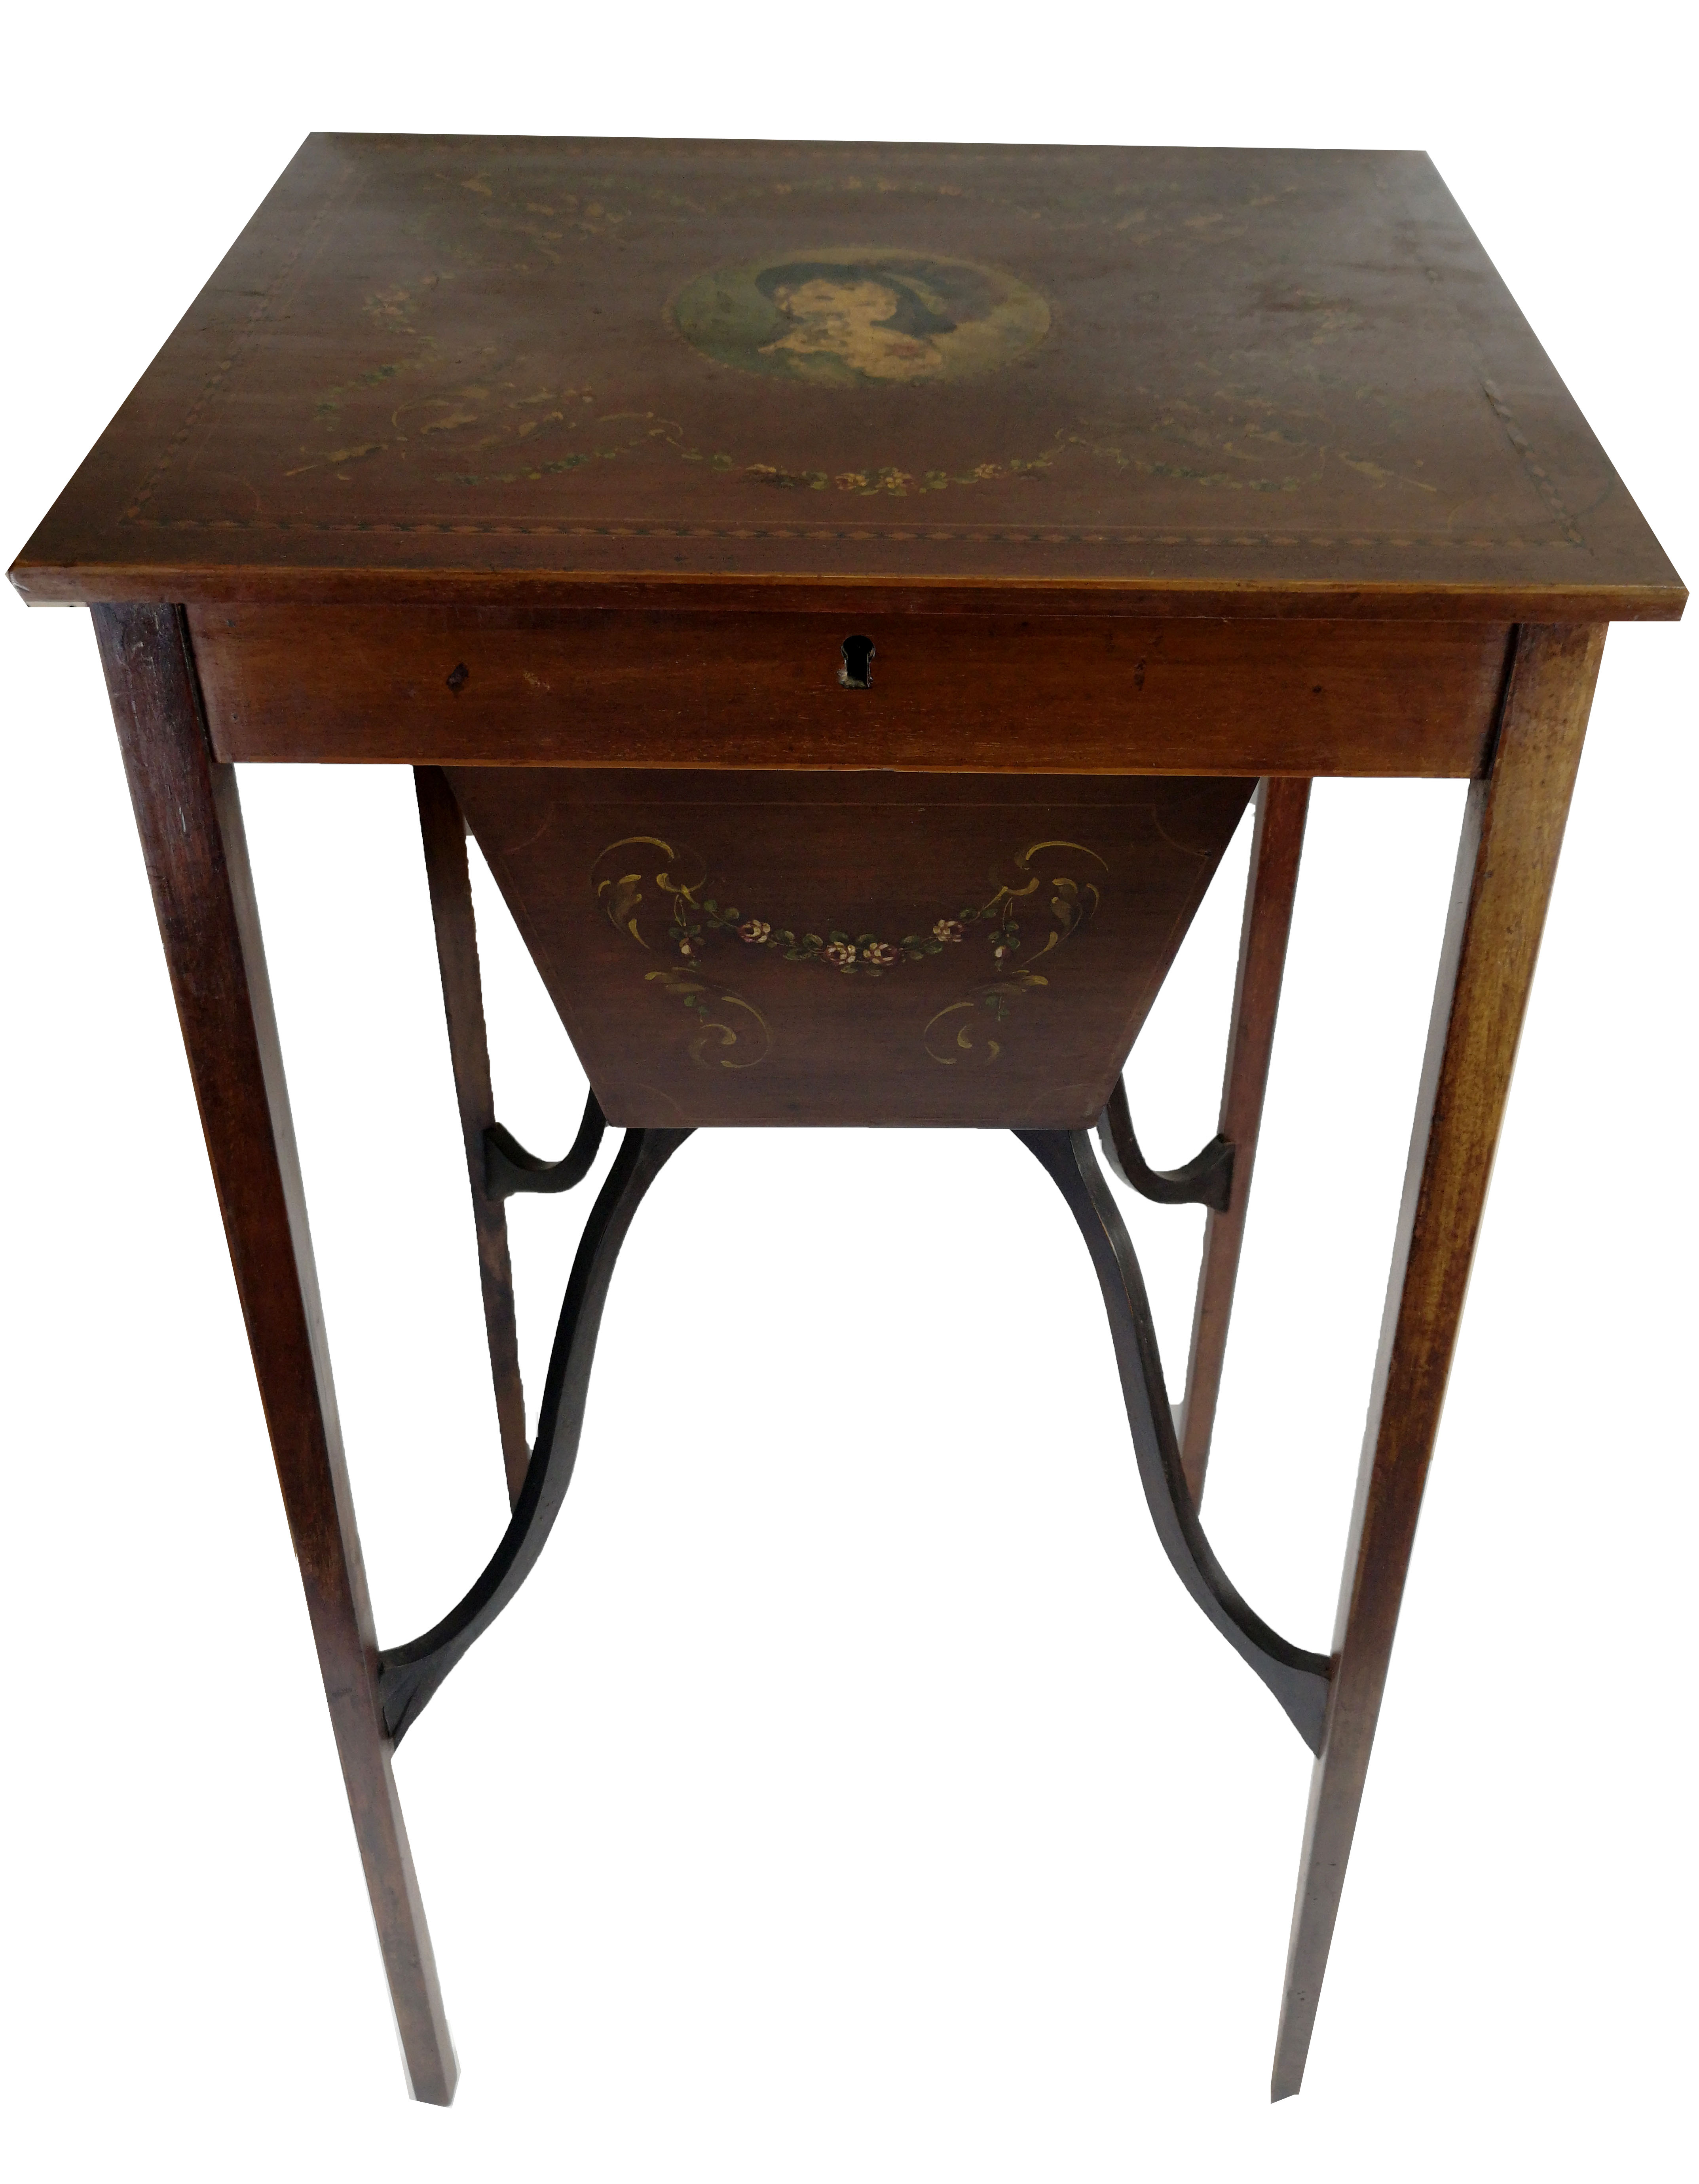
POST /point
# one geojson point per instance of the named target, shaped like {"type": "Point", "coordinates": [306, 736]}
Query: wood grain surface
{"type": "Point", "coordinates": [859, 948]}
{"type": "Point", "coordinates": [1184, 381]}
{"type": "Point", "coordinates": [442, 833]}
{"type": "Point", "coordinates": [571, 467]}
{"type": "Point", "coordinates": [1277, 847]}
{"type": "Point", "coordinates": [1506, 859]}
{"type": "Point", "coordinates": [189, 818]}
{"type": "Point", "coordinates": [973, 693]}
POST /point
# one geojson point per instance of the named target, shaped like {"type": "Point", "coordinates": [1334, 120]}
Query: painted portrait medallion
{"type": "Point", "coordinates": [844, 315]}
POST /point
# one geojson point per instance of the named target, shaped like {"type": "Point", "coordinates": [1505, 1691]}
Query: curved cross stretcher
{"type": "Point", "coordinates": [409, 1674]}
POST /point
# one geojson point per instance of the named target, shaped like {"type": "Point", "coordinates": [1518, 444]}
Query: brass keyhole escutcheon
{"type": "Point", "coordinates": [857, 672]}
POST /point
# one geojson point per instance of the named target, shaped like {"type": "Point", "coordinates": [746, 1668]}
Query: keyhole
{"type": "Point", "coordinates": [857, 672]}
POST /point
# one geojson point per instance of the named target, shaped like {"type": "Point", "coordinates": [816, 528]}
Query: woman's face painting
{"type": "Point", "coordinates": [863, 316]}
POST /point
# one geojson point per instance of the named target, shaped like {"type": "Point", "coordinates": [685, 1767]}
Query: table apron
{"type": "Point", "coordinates": [410, 685]}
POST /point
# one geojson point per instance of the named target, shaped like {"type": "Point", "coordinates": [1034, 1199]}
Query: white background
{"type": "Point", "coordinates": [852, 1792]}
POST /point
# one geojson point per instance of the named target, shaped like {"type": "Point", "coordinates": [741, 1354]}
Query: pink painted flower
{"type": "Point", "coordinates": [948, 928]}
{"type": "Point", "coordinates": [754, 929]}
{"type": "Point", "coordinates": [842, 953]}
{"type": "Point", "coordinates": [879, 951]}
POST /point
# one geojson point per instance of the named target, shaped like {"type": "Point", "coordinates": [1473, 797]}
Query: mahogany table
{"type": "Point", "coordinates": [851, 594]}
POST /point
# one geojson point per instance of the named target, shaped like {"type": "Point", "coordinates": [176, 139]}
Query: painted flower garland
{"type": "Point", "coordinates": [863, 953]}
{"type": "Point", "coordinates": [696, 917]}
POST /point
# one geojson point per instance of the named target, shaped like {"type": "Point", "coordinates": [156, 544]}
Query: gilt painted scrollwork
{"type": "Point", "coordinates": [706, 1005]}
{"type": "Point", "coordinates": [642, 877]}
{"type": "Point", "coordinates": [725, 1019]}
{"type": "Point", "coordinates": [956, 1034]}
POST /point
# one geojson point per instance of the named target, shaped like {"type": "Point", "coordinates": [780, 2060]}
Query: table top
{"type": "Point", "coordinates": [535, 370]}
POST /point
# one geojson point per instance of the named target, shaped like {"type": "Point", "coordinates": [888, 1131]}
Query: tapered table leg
{"type": "Point", "coordinates": [1513, 831]}
{"type": "Point", "coordinates": [190, 822]}
{"type": "Point", "coordinates": [1282, 807]}
{"type": "Point", "coordinates": [443, 832]}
